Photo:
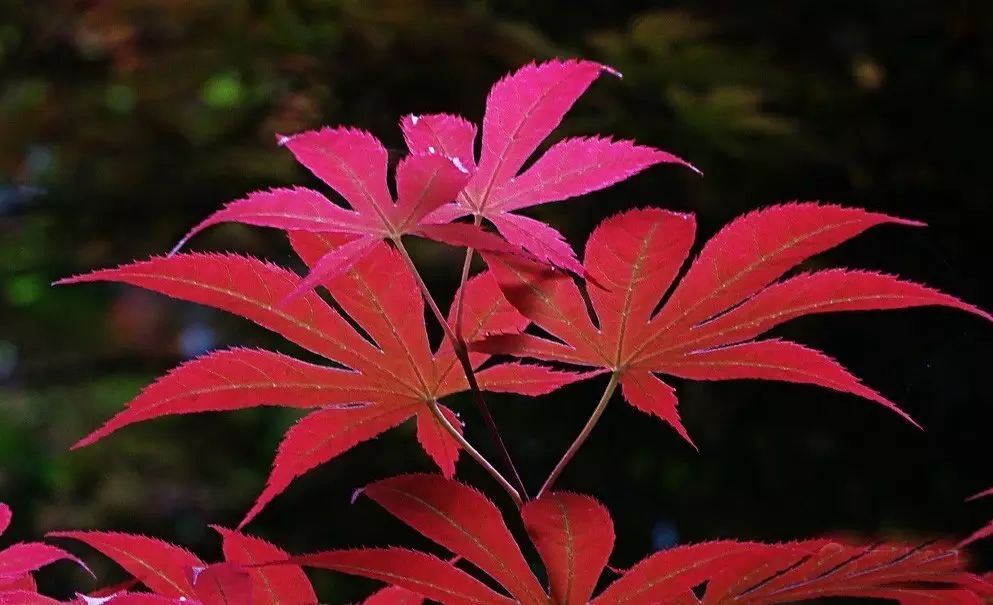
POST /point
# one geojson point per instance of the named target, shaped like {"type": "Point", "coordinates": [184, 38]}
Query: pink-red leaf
{"type": "Point", "coordinates": [525, 378]}
{"type": "Point", "coordinates": [648, 393]}
{"type": "Point", "coordinates": [334, 264]}
{"type": "Point", "coordinates": [222, 584]}
{"type": "Point", "coordinates": [574, 535]}
{"type": "Point", "coordinates": [449, 135]}
{"type": "Point", "coordinates": [484, 312]}
{"type": "Point", "coordinates": [319, 437]}
{"type": "Point", "coordinates": [465, 235]}
{"type": "Point", "coordinates": [424, 183]}
{"type": "Point", "coordinates": [140, 598]}
{"type": "Point", "coordinates": [756, 249]}
{"type": "Point", "coordinates": [671, 573]}
{"type": "Point", "coordinates": [381, 295]}
{"type": "Point", "coordinates": [821, 292]}
{"type": "Point", "coordinates": [5, 517]}
{"type": "Point", "coordinates": [522, 109]}
{"type": "Point", "coordinates": [632, 259]}
{"type": "Point", "coordinates": [393, 595]}
{"type": "Point", "coordinates": [271, 584]}
{"type": "Point", "coordinates": [573, 167]}
{"type": "Point", "coordinates": [25, 582]}
{"type": "Point", "coordinates": [239, 378]}
{"type": "Point", "coordinates": [550, 299]}
{"type": "Point", "coordinates": [252, 289]}
{"type": "Point", "coordinates": [350, 161]}
{"type": "Point", "coordinates": [436, 440]}
{"type": "Point", "coordinates": [543, 242]}
{"type": "Point", "coordinates": [26, 597]}
{"type": "Point", "coordinates": [463, 521]}
{"type": "Point", "coordinates": [823, 569]}
{"type": "Point", "coordinates": [774, 360]}
{"type": "Point", "coordinates": [418, 572]}
{"type": "Point", "coordinates": [162, 567]}
{"type": "Point", "coordinates": [22, 558]}
{"type": "Point", "coordinates": [286, 208]}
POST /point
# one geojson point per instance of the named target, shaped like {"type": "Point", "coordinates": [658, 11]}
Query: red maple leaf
{"type": "Point", "coordinates": [574, 536]}
{"type": "Point", "coordinates": [522, 110]}
{"type": "Point", "coordinates": [707, 328]}
{"type": "Point", "coordinates": [387, 380]}
{"type": "Point", "coordinates": [174, 574]}
{"type": "Point", "coordinates": [354, 163]}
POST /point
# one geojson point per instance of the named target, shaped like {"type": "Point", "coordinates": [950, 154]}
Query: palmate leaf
{"type": "Point", "coordinates": [440, 181]}
{"type": "Point", "coordinates": [574, 535]}
{"type": "Point", "coordinates": [353, 163]}
{"type": "Point", "coordinates": [707, 326]}
{"type": "Point", "coordinates": [175, 575]}
{"type": "Point", "coordinates": [390, 372]}
{"type": "Point", "coordinates": [522, 110]}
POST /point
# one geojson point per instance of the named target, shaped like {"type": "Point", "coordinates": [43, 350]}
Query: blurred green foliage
{"type": "Point", "coordinates": [123, 122]}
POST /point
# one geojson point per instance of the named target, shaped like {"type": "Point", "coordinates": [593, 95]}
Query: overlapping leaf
{"type": "Point", "coordinates": [18, 561]}
{"type": "Point", "coordinates": [708, 325]}
{"type": "Point", "coordinates": [353, 163]}
{"type": "Point", "coordinates": [384, 382]}
{"type": "Point", "coordinates": [441, 182]}
{"type": "Point", "coordinates": [173, 574]}
{"type": "Point", "coordinates": [574, 536]}
{"type": "Point", "coordinates": [522, 110]}
{"type": "Point", "coordinates": [821, 568]}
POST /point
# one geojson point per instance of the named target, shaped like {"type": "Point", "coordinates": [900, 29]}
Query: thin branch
{"type": "Point", "coordinates": [462, 353]}
{"type": "Point", "coordinates": [583, 435]}
{"type": "Point", "coordinates": [514, 495]}
{"type": "Point", "coordinates": [459, 303]}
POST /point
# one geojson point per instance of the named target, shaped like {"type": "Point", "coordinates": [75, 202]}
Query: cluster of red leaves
{"type": "Point", "coordinates": [440, 180]}
{"type": "Point", "coordinates": [172, 574]}
{"type": "Point", "coordinates": [638, 314]}
{"type": "Point", "coordinates": [385, 381]}
{"type": "Point", "coordinates": [574, 537]}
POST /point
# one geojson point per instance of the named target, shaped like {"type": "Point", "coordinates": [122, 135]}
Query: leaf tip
{"type": "Point", "coordinates": [983, 494]}
{"type": "Point", "coordinates": [612, 71]}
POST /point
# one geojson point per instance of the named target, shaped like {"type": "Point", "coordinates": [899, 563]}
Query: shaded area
{"type": "Point", "coordinates": [124, 122]}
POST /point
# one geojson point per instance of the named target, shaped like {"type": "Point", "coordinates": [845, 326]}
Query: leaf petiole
{"type": "Point", "coordinates": [475, 455]}
{"type": "Point", "coordinates": [583, 435]}
{"type": "Point", "coordinates": [462, 354]}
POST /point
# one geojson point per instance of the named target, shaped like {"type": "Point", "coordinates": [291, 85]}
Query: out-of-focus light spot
{"type": "Point", "coordinates": [8, 358]}
{"type": "Point", "coordinates": [23, 290]}
{"type": "Point", "coordinates": [664, 534]}
{"type": "Point", "coordinates": [16, 197]}
{"type": "Point", "coordinates": [196, 339]}
{"type": "Point", "coordinates": [223, 90]}
{"type": "Point", "coordinates": [120, 98]}
{"type": "Point", "coordinates": [38, 161]}
{"type": "Point", "coordinates": [868, 73]}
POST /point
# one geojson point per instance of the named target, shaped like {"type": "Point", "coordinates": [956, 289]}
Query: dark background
{"type": "Point", "coordinates": [123, 122]}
